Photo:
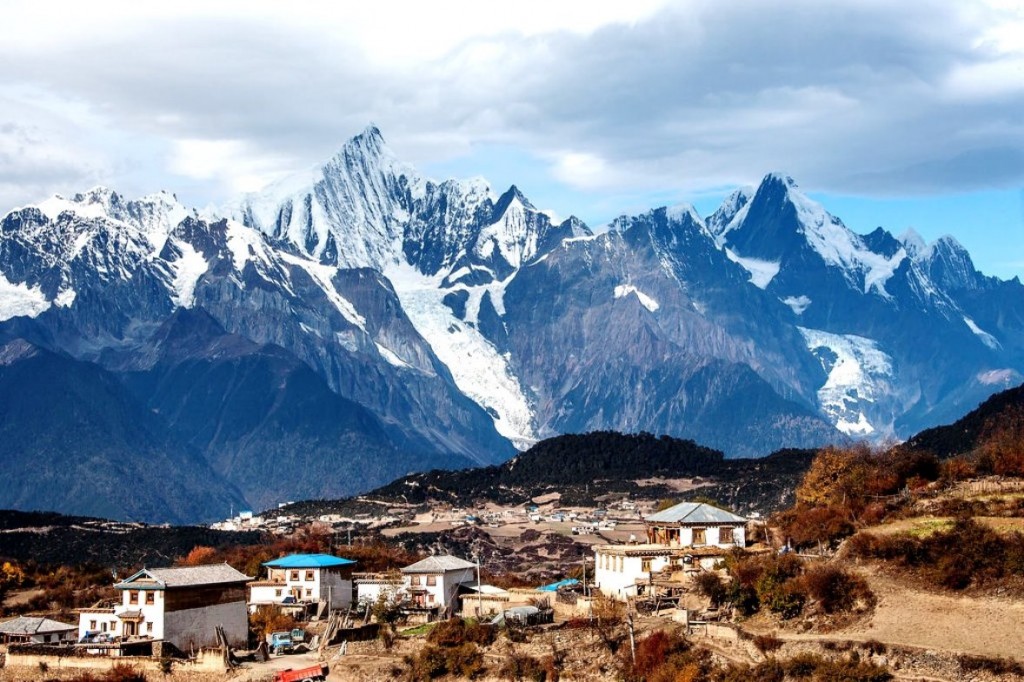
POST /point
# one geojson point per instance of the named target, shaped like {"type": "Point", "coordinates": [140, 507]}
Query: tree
{"type": "Point", "coordinates": [268, 619]}
{"type": "Point", "coordinates": [11, 577]}
{"type": "Point", "coordinates": [837, 476]}
{"type": "Point", "coordinates": [1001, 450]}
{"type": "Point", "coordinates": [198, 556]}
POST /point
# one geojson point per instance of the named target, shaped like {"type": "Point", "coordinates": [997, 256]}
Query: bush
{"type": "Point", "coordinates": [766, 644]}
{"type": "Point", "coordinates": [835, 589]}
{"type": "Point", "coordinates": [432, 661]}
{"type": "Point", "coordinates": [710, 585]}
{"type": "Point", "coordinates": [119, 673]}
{"type": "Point", "coordinates": [651, 653]}
{"type": "Point", "coordinates": [522, 668]}
{"type": "Point", "coordinates": [967, 554]}
{"type": "Point", "coordinates": [269, 619]}
{"type": "Point", "coordinates": [996, 666]}
{"type": "Point", "coordinates": [812, 666]}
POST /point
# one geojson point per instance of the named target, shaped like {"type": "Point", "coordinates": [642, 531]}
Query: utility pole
{"type": "Point", "coordinates": [584, 558]}
{"type": "Point", "coordinates": [479, 592]}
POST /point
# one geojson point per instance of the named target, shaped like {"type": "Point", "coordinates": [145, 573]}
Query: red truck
{"type": "Point", "coordinates": [314, 673]}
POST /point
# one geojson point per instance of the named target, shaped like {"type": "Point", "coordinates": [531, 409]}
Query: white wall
{"type": "Point", "coordinates": [369, 592]}
{"type": "Point", "coordinates": [616, 575]}
{"type": "Point", "coordinates": [446, 585]}
{"type": "Point", "coordinates": [152, 613]}
{"type": "Point", "coordinates": [105, 622]}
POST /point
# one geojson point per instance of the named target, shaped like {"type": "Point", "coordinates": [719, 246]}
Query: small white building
{"type": "Point", "coordinates": [181, 606]}
{"type": "Point", "coordinates": [300, 580]}
{"type": "Point", "coordinates": [36, 631]}
{"type": "Point", "coordinates": [434, 582]}
{"type": "Point", "coordinates": [696, 524]}
{"type": "Point", "coordinates": [688, 537]}
{"type": "Point", "coordinates": [371, 586]}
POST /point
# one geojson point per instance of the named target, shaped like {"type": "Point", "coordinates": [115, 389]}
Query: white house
{"type": "Point", "coordinates": [687, 537]}
{"type": "Point", "coordinates": [434, 582]}
{"type": "Point", "coordinates": [370, 587]}
{"type": "Point", "coordinates": [696, 524]}
{"type": "Point", "coordinates": [36, 631]}
{"type": "Point", "coordinates": [304, 579]}
{"type": "Point", "coordinates": [181, 606]}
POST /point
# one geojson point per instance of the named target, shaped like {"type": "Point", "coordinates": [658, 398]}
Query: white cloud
{"type": "Point", "coordinates": [849, 96]}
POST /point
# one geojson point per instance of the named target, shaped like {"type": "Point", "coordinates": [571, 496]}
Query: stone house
{"type": "Point", "coordinates": [181, 606]}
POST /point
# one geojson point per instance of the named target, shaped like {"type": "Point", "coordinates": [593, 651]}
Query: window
{"type": "Point", "coordinates": [295, 575]}
{"type": "Point", "coordinates": [431, 580]}
{"type": "Point", "coordinates": [113, 625]}
{"type": "Point", "coordinates": [133, 597]}
{"type": "Point", "coordinates": [278, 592]}
{"type": "Point", "coordinates": [309, 592]}
{"type": "Point", "coordinates": [621, 564]}
{"type": "Point", "coordinates": [149, 627]}
{"type": "Point", "coordinates": [104, 624]}
{"type": "Point", "coordinates": [309, 576]}
{"type": "Point", "coordinates": [725, 535]}
{"type": "Point", "coordinates": [698, 536]}
{"type": "Point", "coordinates": [47, 639]}
{"type": "Point", "coordinates": [92, 625]}
{"type": "Point", "coordinates": [645, 565]}
{"type": "Point", "coordinates": [151, 597]}
{"type": "Point", "coordinates": [430, 599]}
{"type": "Point", "coordinates": [414, 580]}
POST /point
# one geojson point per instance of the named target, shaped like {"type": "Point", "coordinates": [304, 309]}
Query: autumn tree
{"type": "Point", "coordinates": [11, 576]}
{"type": "Point", "coordinates": [198, 556]}
{"type": "Point", "coordinates": [836, 477]}
{"type": "Point", "coordinates": [1001, 450]}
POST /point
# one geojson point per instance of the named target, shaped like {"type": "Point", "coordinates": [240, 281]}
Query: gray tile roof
{"type": "Point", "coordinates": [694, 513]}
{"type": "Point", "coordinates": [187, 576]}
{"type": "Point", "coordinates": [27, 625]}
{"type": "Point", "coordinates": [438, 564]}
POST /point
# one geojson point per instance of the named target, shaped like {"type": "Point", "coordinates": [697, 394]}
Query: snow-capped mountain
{"type": "Point", "coordinates": [358, 320]}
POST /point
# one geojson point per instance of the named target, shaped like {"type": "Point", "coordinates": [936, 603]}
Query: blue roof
{"type": "Point", "coordinates": [308, 561]}
{"type": "Point", "coordinates": [553, 587]}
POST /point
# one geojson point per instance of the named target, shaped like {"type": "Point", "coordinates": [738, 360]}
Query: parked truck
{"type": "Point", "coordinates": [315, 673]}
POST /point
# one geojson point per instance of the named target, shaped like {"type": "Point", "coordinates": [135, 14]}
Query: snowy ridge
{"type": "Point", "coordinates": [323, 275]}
{"type": "Point", "coordinates": [730, 213]}
{"type": "Point", "coordinates": [511, 235]}
{"type": "Point", "coordinates": [838, 246]}
{"type": "Point", "coordinates": [859, 379]}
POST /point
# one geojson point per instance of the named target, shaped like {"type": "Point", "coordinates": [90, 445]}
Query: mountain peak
{"type": "Point", "coordinates": [779, 178]}
{"type": "Point", "coordinates": [369, 143]}
{"type": "Point", "coordinates": [506, 199]}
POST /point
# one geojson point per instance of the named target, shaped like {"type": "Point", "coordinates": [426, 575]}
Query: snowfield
{"type": "Point", "coordinates": [859, 377]}
{"type": "Point", "coordinates": [479, 370]}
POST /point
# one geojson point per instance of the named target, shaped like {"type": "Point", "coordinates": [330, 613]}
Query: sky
{"type": "Point", "coordinates": [893, 114]}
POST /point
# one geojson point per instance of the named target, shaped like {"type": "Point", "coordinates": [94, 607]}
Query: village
{"type": "Point", "coordinates": [201, 617]}
{"type": "Point", "coordinates": [540, 590]}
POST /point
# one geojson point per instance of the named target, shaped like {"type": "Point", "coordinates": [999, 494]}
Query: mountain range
{"type": "Point", "coordinates": [358, 321]}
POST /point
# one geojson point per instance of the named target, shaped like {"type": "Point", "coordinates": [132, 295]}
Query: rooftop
{"type": "Point", "coordinates": [694, 512]}
{"type": "Point", "coordinates": [28, 625]}
{"type": "Point", "coordinates": [661, 550]}
{"type": "Point", "coordinates": [438, 564]}
{"type": "Point", "coordinates": [308, 561]}
{"type": "Point", "coordinates": [185, 576]}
